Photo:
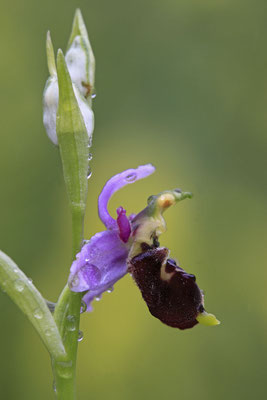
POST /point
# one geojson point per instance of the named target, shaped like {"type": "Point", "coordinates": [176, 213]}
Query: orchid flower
{"type": "Point", "coordinates": [130, 244]}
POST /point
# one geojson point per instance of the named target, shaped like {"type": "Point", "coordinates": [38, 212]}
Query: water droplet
{"type": "Point", "coordinates": [85, 242]}
{"type": "Point", "coordinates": [89, 173]}
{"type": "Point", "coordinates": [71, 325]}
{"type": "Point", "coordinates": [54, 387]}
{"type": "Point", "coordinates": [64, 369]}
{"type": "Point", "coordinates": [30, 280]}
{"type": "Point", "coordinates": [92, 272]}
{"type": "Point", "coordinates": [90, 141]}
{"type": "Point", "coordinates": [87, 259]}
{"type": "Point", "coordinates": [131, 177]}
{"type": "Point", "coordinates": [3, 287]}
{"type": "Point", "coordinates": [83, 307]}
{"type": "Point", "coordinates": [51, 305]}
{"type": "Point", "coordinates": [15, 270]}
{"type": "Point", "coordinates": [75, 281]}
{"type": "Point", "coordinates": [38, 313]}
{"type": "Point", "coordinates": [93, 96]}
{"type": "Point", "coordinates": [19, 285]}
{"type": "Point", "coordinates": [90, 156]}
{"type": "Point", "coordinates": [110, 290]}
{"type": "Point", "coordinates": [48, 332]}
{"type": "Point", "coordinates": [80, 336]}
{"type": "Point", "coordinates": [98, 298]}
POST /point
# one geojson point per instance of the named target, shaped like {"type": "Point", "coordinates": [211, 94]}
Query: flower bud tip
{"type": "Point", "coordinates": [50, 55]}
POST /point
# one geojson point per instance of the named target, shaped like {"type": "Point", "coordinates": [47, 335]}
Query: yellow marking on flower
{"type": "Point", "coordinates": [165, 276]}
{"type": "Point", "coordinates": [207, 319]}
{"type": "Point", "coordinates": [166, 200]}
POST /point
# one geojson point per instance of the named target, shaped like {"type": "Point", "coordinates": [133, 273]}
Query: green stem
{"type": "Point", "coordinates": [77, 229]}
{"type": "Point", "coordinates": [67, 317]}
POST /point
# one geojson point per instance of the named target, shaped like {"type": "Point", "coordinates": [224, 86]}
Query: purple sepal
{"type": "Point", "coordinates": [115, 183]}
{"type": "Point", "coordinates": [101, 262]}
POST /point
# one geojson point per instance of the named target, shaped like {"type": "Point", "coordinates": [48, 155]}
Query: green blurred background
{"type": "Point", "coordinates": [181, 84]}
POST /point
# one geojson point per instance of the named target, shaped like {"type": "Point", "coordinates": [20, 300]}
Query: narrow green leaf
{"type": "Point", "coordinates": [78, 28]}
{"type": "Point", "coordinates": [51, 62]}
{"type": "Point", "coordinates": [25, 295]}
{"type": "Point", "coordinates": [72, 138]}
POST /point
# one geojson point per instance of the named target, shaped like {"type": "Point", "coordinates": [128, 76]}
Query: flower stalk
{"type": "Point", "coordinates": [74, 124]}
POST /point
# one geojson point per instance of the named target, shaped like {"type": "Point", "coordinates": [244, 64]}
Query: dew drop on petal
{"type": "Point", "coordinates": [91, 274]}
{"type": "Point", "coordinates": [110, 290]}
{"type": "Point", "coordinates": [98, 298]}
{"type": "Point", "coordinates": [19, 285]}
{"type": "Point", "coordinates": [80, 336]}
{"type": "Point", "coordinates": [75, 281]}
{"type": "Point", "coordinates": [131, 177]}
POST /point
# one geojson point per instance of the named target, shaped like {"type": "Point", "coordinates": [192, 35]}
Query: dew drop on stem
{"type": "Point", "coordinates": [83, 307]}
{"type": "Point", "coordinates": [38, 314]}
{"type": "Point", "coordinates": [80, 336]}
{"type": "Point", "coordinates": [71, 323]}
{"type": "Point", "coordinates": [19, 285]}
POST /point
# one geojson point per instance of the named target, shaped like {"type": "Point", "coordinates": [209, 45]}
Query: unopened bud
{"type": "Point", "coordinates": [81, 66]}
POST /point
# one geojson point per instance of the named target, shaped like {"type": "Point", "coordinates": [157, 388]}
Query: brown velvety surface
{"type": "Point", "coordinates": [176, 301]}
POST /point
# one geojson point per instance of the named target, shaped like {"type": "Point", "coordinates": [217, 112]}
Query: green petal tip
{"type": "Point", "coordinates": [78, 28]}
{"type": "Point", "coordinates": [207, 319]}
{"type": "Point", "coordinates": [50, 55]}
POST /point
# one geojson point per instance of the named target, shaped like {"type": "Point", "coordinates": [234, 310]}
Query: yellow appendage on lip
{"type": "Point", "coordinates": [166, 200]}
{"type": "Point", "coordinates": [207, 319]}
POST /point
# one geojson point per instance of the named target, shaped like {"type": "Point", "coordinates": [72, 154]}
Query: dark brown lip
{"type": "Point", "coordinates": [175, 301]}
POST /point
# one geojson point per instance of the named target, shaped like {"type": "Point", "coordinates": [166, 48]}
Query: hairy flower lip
{"type": "Point", "coordinates": [171, 294]}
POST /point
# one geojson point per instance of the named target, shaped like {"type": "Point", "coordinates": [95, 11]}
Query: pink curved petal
{"type": "Point", "coordinates": [123, 225]}
{"type": "Point", "coordinates": [116, 183]}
